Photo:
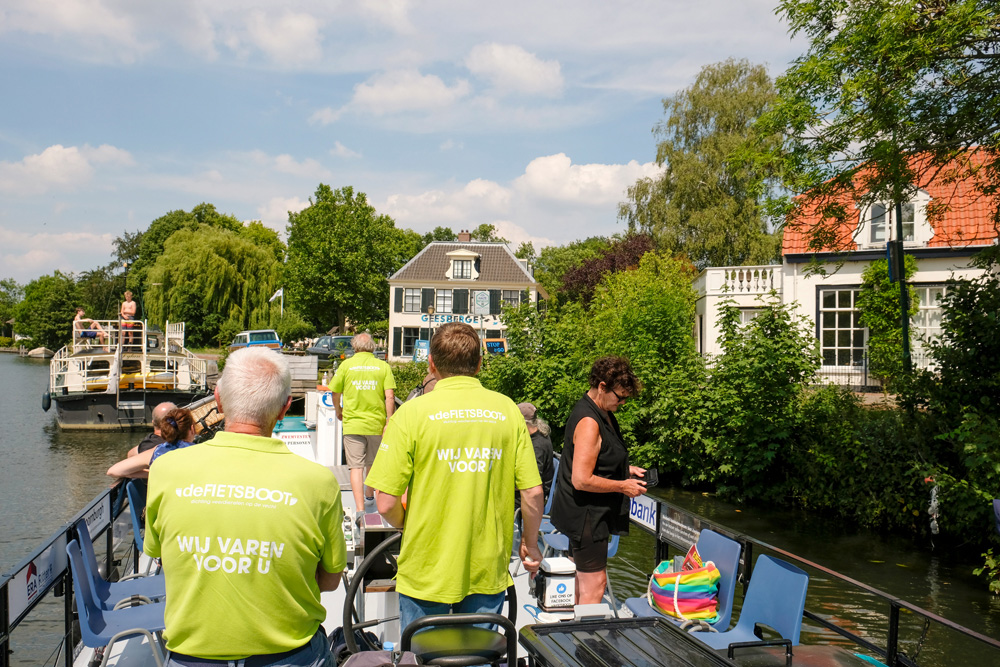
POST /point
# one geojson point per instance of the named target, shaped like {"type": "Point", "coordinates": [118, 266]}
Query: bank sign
{"type": "Point", "coordinates": [642, 510]}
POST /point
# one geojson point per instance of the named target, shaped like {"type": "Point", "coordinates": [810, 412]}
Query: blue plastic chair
{"type": "Point", "coordinates": [546, 526]}
{"type": "Point", "coordinates": [554, 542]}
{"type": "Point", "coordinates": [776, 598]}
{"type": "Point", "coordinates": [725, 553]}
{"type": "Point", "coordinates": [100, 627]}
{"type": "Point", "coordinates": [110, 593]}
{"type": "Point", "coordinates": [136, 505]}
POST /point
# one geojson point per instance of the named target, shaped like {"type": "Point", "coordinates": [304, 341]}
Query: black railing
{"type": "Point", "coordinates": [46, 569]}
{"type": "Point", "coordinates": [679, 528]}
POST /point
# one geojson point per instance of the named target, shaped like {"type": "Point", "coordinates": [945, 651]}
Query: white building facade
{"type": "Point", "coordinates": [461, 281]}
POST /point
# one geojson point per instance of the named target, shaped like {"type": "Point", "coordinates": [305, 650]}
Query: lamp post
{"type": "Point", "coordinates": [430, 322]}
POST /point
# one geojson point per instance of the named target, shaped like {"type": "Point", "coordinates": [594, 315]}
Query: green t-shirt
{"type": "Point", "coordinates": [362, 380]}
{"type": "Point", "coordinates": [241, 524]}
{"type": "Point", "coordinates": [461, 450]}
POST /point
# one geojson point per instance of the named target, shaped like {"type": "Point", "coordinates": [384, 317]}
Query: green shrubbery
{"type": "Point", "coordinates": [6, 341]}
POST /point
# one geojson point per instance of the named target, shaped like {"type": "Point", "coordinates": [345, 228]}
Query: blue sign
{"type": "Point", "coordinates": [561, 588]}
{"type": "Point", "coordinates": [421, 350]}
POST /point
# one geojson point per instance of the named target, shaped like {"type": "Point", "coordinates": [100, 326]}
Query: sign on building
{"type": "Point", "coordinates": [481, 302]}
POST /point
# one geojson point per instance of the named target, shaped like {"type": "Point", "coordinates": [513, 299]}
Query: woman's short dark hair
{"type": "Point", "coordinates": [176, 424]}
{"type": "Point", "coordinates": [456, 349]}
{"type": "Point", "coordinates": [616, 373]}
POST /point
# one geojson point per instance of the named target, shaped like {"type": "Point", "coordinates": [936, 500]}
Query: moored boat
{"type": "Point", "coordinates": [114, 381]}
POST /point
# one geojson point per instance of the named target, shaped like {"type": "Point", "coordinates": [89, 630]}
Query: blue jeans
{"type": "Point", "coordinates": [410, 609]}
{"type": "Point", "coordinates": [316, 655]}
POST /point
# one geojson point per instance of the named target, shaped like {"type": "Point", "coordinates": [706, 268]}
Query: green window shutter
{"type": "Point", "coordinates": [426, 299]}
{"type": "Point", "coordinates": [495, 302]}
{"type": "Point", "coordinates": [460, 302]}
{"type": "Point", "coordinates": [425, 334]}
{"type": "Point", "coordinates": [398, 305]}
{"type": "Point", "coordinates": [397, 341]}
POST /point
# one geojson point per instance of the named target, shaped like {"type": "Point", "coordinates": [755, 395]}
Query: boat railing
{"type": "Point", "coordinates": [28, 585]}
{"type": "Point", "coordinates": [679, 528]}
{"type": "Point", "coordinates": [94, 365]}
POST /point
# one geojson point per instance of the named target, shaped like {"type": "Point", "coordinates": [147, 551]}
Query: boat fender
{"type": "Point", "coordinates": [46, 401]}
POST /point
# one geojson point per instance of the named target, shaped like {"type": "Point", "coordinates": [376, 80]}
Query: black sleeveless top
{"type": "Point", "coordinates": [573, 510]}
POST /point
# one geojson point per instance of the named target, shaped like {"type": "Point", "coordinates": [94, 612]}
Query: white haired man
{"type": "Point", "coordinates": [368, 389]}
{"type": "Point", "coordinates": [249, 533]}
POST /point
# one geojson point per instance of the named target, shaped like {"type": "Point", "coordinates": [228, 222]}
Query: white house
{"type": "Point", "coordinates": [461, 281]}
{"type": "Point", "coordinates": [942, 250]}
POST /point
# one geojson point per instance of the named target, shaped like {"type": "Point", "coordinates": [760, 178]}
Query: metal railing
{"type": "Point", "coordinates": [679, 528]}
{"type": "Point", "coordinates": [46, 570]}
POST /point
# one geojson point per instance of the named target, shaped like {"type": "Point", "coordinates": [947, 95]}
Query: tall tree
{"type": "Point", "coordinates": [341, 253]}
{"type": "Point", "coordinates": [101, 290]}
{"type": "Point", "coordinates": [705, 204]}
{"type": "Point", "coordinates": [624, 254]}
{"type": "Point", "coordinates": [440, 234]}
{"type": "Point", "coordinates": [487, 233]}
{"type": "Point", "coordinates": [207, 276]}
{"type": "Point", "coordinates": [46, 313]}
{"type": "Point", "coordinates": [11, 294]}
{"type": "Point", "coordinates": [889, 95]}
{"type": "Point", "coordinates": [555, 261]}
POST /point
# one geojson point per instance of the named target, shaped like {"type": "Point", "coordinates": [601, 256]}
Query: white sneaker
{"type": "Point", "coordinates": [370, 505]}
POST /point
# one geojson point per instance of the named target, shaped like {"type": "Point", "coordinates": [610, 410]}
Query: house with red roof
{"type": "Point", "coordinates": [946, 221]}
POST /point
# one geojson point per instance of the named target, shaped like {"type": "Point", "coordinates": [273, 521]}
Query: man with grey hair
{"type": "Point", "coordinates": [249, 533]}
{"type": "Point", "coordinates": [369, 399]}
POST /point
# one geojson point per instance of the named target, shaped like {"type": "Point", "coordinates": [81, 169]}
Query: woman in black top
{"type": "Point", "coordinates": [595, 484]}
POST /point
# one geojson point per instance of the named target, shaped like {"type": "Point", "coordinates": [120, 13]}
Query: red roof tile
{"type": "Point", "coordinates": [965, 217]}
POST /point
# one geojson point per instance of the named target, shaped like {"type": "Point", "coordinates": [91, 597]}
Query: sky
{"type": "Point", "coordinates": [532, 116]}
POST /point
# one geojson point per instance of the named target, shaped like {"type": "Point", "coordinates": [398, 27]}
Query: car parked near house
{"type": "Point", "coordinates": [256, 338]}
{"type": "Point", "coordinates": [335, 348]}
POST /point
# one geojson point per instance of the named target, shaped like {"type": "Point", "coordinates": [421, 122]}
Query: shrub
{"type": "Point", "coordinates": [408, 376]}
{"type": "Point", "coordinates": [6, 342]}
{"type": "Point", "coordinates": [878, 302]}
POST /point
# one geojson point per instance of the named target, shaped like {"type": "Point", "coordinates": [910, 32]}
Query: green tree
{"type": "Point", "coordinates": [11, 294]}
{"type": "Point", "coordinates": [440, 234]}
{"type": "Point", "coordinates": [46, 313]}
{"type": "Point", "coordinates": [207, 276]}
{"type": "Point", "coordinates": [341, 253]}
{"type": "Point", "coordinates": [260, 235]}
{"type": "Point", "coordinates": [889, 95]}
{"type": "Point", "coordinates": [878, 302]}
{"type": "Point", "coordinates": [487, 233]}
{"type": "Point", "coordinates": [526, 251]}
{"type": "Point", "coordinates": [704, 204]}
{"type": "Point", "coordinates": [102, 290]}
{"type": "Point", "coordinates": [554, 262]}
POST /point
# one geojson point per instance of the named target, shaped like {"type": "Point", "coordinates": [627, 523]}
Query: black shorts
{"type": "Point", "coordinates": [589, 555]}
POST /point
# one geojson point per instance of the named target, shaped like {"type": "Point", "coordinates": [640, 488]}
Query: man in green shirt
{"type": "Point", "coordinates": [461, 450]}
{"type": "Point", "coordinates": [369, 399]}
{"type": "Point", "coordinates": [249, 533]}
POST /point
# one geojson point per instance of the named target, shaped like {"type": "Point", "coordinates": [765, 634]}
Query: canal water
{"type": "Point", "coordinates": [47, 474]}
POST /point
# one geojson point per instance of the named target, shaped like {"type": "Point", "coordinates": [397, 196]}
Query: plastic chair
{"type": "Point", "coordinates": [776, 598]}
{"type": "Point", "coordinates": [100, 627]}
{"type": "Point", "coordinates": [725, 553]}
{"type": "Point", "coordinates": [136, 505]}
{"type": "Point", "coordinates": [110, 593]}
{"type": "Point", "coordinates": [546, 525]}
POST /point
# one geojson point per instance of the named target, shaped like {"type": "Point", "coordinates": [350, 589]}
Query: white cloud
{"type": "Point", "coordinates": [26, 256]}
{"type": "Point", "coordinates": [451, 145]}
{"type": "Point", "coordinates": [274, 213]}
{"type": "Point", "coordinates": [509, 68]}
{"type": "Point", "coordinates": [59, 168]}
{"type": "Point", "coordinates": [556, 178]}
{"type": "Point", "coordinates": [325, 116]}
{"type": "Point", "coordinates": [91, 20]}
{"type": "Point", "coordinates": [307, 168]}
{"type": "Point", "coordinates": [392, 13]}
{"type": "Point", "coordinates": [340, 150]}
{"type": "Point", "coordinates": [446, 207]}
{"type": "Point", "coordinates": [406, 90]}
{"type": "Point", "coordinates": [290, 39]}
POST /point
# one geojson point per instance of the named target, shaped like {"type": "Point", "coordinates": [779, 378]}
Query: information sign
{"type": "Point", "coordinates": [642, 510]}
{"type": "Point", "coordinates": [421, 350]}
{"type": "Point", "coordinates": [481, 302]}
{"type": "Point", "coordinates": [678, 528]}
{"type": "Point", "coordinates": [99, 516]}
{"type": "Point", "coordinates": [35, 578]}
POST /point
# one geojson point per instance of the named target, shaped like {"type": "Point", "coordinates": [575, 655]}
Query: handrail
{"type": "Point", "coordinates": [671, 531]}
{"type": "Point", "coordinates": [23, 587]}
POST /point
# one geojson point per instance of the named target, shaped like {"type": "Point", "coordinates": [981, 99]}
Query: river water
{"type": "Point", "coordinates": [46, 475]}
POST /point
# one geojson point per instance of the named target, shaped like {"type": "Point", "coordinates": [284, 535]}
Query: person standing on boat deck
{"type": "Point", "coordinates": [248, 532]}
{"type": "Point", "coordinates": [591, 499]}
{"type": "Point", "coordinates": [539, 431]}
{"type": "Point", "coordinates": [127, 313]}
{"type": "Point", "coordinates": [94, 331]}
{"type": "Point", "coordinates": [461, 450]}
{"type": "Point", "coordinates": [368, 389]}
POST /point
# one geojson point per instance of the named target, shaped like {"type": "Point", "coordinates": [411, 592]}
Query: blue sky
{"type": "Point", "coordinates": [532, 116]}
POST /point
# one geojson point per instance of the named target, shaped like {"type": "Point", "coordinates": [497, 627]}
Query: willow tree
{"type": "Point", "coordinates": [209, 276]}
{"type": "Point", "coordinates": [705, 204]}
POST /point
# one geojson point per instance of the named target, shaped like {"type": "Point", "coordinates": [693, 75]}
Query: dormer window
{"type": "Point", "coordinates": [462, 265]}
{"type": "Point", "coordinates": [877, 223]}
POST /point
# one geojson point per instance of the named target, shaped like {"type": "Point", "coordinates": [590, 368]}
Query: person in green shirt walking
{"type": "Point", "coordinates": [368, 390]}
{"type": "Point", "coordinates": [461, 450]}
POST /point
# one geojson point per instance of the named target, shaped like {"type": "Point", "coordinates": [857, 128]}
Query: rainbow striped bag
{"type": "Point", "coordinates": [687, 595]}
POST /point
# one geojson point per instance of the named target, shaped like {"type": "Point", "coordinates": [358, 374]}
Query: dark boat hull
{"type": "Point", "coordinates": [100, 412]}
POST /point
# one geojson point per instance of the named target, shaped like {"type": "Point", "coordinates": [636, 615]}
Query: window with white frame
{"type": "Point", "coordinates": [461, 269]}
{"type": "Point", "coordinates": [909, 216]}
{"type": "Point", "coordinates": [926, 324]}
{"type": "Point", "coordinates": [443, 301]}
{"type": "Point", "coordinates": [842, 337]}
{"type": "Point", "coordinates": [511, 297]}
{"type": "Point", "coordinates": [411, 300]}
{"type": "Point", "coordinates": [878, 223]}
